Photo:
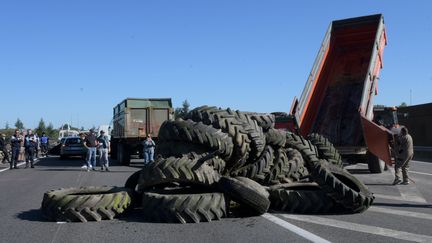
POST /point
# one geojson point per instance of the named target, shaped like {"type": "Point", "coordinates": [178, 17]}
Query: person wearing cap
{"type": "Point", "coordinates": [91, 144]}
{"type": "Point", "coordinates": [3, 148]}
{"type": "Point", "coordinates": [149, 146]}
{"type": "Point", "coordinates": [103, 150]}
{"type": "Point", "coordinates": [405, 152]}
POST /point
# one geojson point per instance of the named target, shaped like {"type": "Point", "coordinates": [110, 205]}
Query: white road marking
{"type": "Point", "coordinates": [400, 235]}
{"type": "Point", "coordinates": [7, 168]}
{"type": "Point", "coordinates": [401, 213]}
{"type": "Point", "coordinates": [299, 231]}
{"type": "Point", "coordinates": [399, 198]}
{"type": "Point", "coordinates": [409, 192]}
{"type": "Point", "coordinates": [420, 173]}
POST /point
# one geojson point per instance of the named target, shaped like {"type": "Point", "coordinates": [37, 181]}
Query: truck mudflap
{"type": "Point", "coordinates": [376, 138]}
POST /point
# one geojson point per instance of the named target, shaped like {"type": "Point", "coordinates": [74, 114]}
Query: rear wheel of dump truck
{"type": "Point", "coordinates": [375, 165]}
{"type": "Point", "coordinates": [113, 148]}
{"type": "Point", "coordinates": [123, 155]}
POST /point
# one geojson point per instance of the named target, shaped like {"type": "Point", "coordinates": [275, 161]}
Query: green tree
{"type": "Point", "coordinates": [7, 126]}
{"type": "Point", "coordinates": [50, 131]}
{"type": "Point", "coordinates": [41, 127]}
{"type": "Point", "coordinates": [403, 104]}
{"type": "Point", "coordinates": [19, 124]}
{"type": "Point", "coordinates": [182, 111]}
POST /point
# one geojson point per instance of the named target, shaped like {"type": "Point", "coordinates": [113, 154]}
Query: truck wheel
{"type": "Point", "coordinates": [184, 205]}
{"type": "Point", "coordinates": [246, 192]}
{"type": "Point", "coordinates": [123, 155]}
{"type": "Point", "coordinates": [375, 165]}
{"type": "Point", "coordinates": [276, 137]}
{"type": "Point", "coordinates": [113, 153]}
{"type": "Point", "coordinates": [85, 203]}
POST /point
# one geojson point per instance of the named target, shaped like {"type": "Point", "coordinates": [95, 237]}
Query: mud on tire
{"type": "Point", "coordinates": [85, 203]}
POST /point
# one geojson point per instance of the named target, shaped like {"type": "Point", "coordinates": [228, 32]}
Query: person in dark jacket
{"type": "Point", "coordinates": [16, 141]}
{"type": "Point", "coordinates": [91, 144]}
{"type": "Point", "coordinates": [3, 148]}
{"type": "Point", "coordinates": [405, 152]}
{"type": "Point", "coordinates": [30, 143]}
{"type": "Point", "coordinates": [103, 147]}
{"type": "Point", "coordinates": [44, 143]}
{"type": "Point", "coordinates": [149, 147]}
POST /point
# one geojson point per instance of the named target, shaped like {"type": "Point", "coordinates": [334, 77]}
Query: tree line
{"type": "Point", "coordinates": [49, 130]}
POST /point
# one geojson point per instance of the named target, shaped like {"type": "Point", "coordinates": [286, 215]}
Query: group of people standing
{"type": "Point", "coordinates": [94, 143]}
{"type": "Point", "coordinates": [31, 143]}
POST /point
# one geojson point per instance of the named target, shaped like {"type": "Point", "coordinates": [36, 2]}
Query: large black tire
{"type": "Point", "coordinates": [199, 133]}
{"type": "Point", "coordinates": [305, 147]}
{"type": "Point", "coordinates": [167, 149]}
{"type": "Point", "coordinates": [297, 167]}
{"type": "Point", "coordinates": [303, 198]}
{"type": "Point", "coordinates": [280, 169]}
{"type": "Point", "coordinates": [187, 169]}
{"type": "Point", "coordinates": [258, 170]}
{"type": "Point", "coordinates": [276, 137]}
{"type": "Point", "coordinates": [113, 148]}
{"type": "Point", "coordinates": [228, 123]}
{"type": "Point", "coordinates": [85, 203]}
{"type": "Point", "coordinates": [343, 187]}
{"type": "Point", "coordinates": [123, 155]}
{"type": "Point", "coordinates": [266, 121]}
{"type": "Point", "coordinates": [375, 165]}
{"type": "Point", "coordinates": [246, 192]}
{"type": "Point", "coordinates": [184, 205]}
{"type": "Point", "coordinates": [326, 149]}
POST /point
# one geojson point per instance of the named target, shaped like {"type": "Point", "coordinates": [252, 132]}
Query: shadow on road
{"type": "Point", "coordinates": [403, 205]}
{"type": "Point", "coordinates": [32, 215]}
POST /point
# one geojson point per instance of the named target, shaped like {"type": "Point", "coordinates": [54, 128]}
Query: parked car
{"type": "Point", "coordinates": [72, 146]}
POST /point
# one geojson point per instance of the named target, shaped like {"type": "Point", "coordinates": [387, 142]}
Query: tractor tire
{"type": "Point", "coordinates": [279, 170]}
{"type": "Point", "coordinates": [266, 121]}
{"type": "Point", "coordinates": [304, 198]}
{"type": "Point", "coordinates": [375, 165]}
{"type": "Point", "coordinates": [246, 192]}
{"type": "Point", "coordinates": [297, 167]}
{"type": "Point", "coordinates": [326, 149]}
{"type": "Point", "coordinates": [85, 203]}
{"type": "Point", "coordinates": [166, 149]}
{"type": "Point", "coordinates": [276, 137]}
{"type": "Point", "coordinates": [343, 187]}
{"type": "Point", "coordinates": [199, 133]}
{"type": "Point", "coordinates": [187, 169]}
{"type": "Point", "coordinates": [305, 147]}
{"type": "Point", "coordinates": [258, 170]}
{"type": "Point", "coordinates": [183, 205]}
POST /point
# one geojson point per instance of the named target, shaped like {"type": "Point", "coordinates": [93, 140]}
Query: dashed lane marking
{"type": "Point", "coordinates": [400, 198]}
{"type": "Point", "coordinates": [400, 235]}
{"type": "Point", "coordinates": [296, 230]}
{"type": "Point", "coordinates": [401, 213]}
{"type": "Point", "coordinates": [420, 173]}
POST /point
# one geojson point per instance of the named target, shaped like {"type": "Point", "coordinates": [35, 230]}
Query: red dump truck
{"type": "Point", "coordinates": [337, 100]}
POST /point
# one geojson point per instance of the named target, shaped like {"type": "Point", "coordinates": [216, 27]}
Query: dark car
{"type": "Point", "coordinates": [72, 146]}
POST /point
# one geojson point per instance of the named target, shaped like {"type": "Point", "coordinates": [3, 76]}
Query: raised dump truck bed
{"type": "Point", "coordinates": [337, 100]}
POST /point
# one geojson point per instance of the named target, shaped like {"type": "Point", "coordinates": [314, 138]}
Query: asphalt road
{"type": "Point", "coordinates": [399, 214]}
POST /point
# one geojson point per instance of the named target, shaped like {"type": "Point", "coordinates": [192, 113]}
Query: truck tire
{"type": "Point", "coordinates": [198, 133]}
{"type": "Point", "coordinates": [343, 187]}
{"type": "Point", "coordinates": [375, 165]}
{"type": "Point", "coordinates": [326, 149]}
{"type": "Point", "coordinates": [113, 148]}
{"type": "Point", "coordinates": [258, 170]}
{"type": "Point", "coordinates": [183, 205]}
{"type": "Point", "coordinates": [85, 203]}
{"type": "Point", "coordinates": [302, 199]}
{"type": "Point", "coordinates": [123, 155]}
{"type": "Point", "coordinates": [246, 192]}
{"type": "Point", "coordinates": [186, 169]}
{"type": "Point", "coordinates": [266, 121]}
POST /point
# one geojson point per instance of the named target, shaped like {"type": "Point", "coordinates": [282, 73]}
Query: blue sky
{"type": "Point", "coordinates": [72, 61]}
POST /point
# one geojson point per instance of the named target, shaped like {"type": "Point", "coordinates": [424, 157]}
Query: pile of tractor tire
{"type": "Point", "coordinates": [218, 163]}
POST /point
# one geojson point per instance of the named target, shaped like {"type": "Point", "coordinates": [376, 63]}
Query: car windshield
{"type": "Point", "coordinates": [71, 141]}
